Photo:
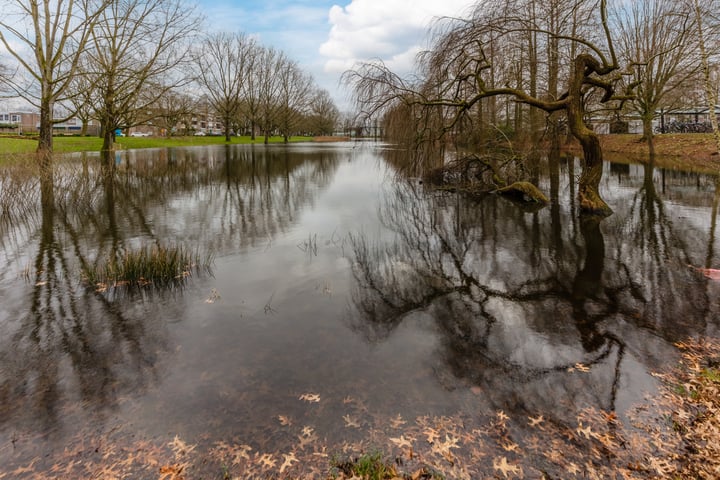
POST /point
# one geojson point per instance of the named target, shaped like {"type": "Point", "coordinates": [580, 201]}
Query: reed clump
{"type": "Point", "coordinates": [158, 266]}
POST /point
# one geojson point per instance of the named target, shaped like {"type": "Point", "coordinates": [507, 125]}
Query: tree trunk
{"type": "Point", "coordinates": [589, 197]}
{"type": "Point", "coordinates": [45, 138]}
{"type": "Point", "coordinates": [228, 119]}
{"type": "Point", "coordinates": [108, 146]}
{"type": "Point", "coordinates": [648, 133]}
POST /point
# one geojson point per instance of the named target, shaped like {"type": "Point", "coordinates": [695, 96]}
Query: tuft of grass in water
{"type": "Point", "coordinates": [376, 466]}
{"type": "Point", "coordinates": [369, 466]}
{"type": "Point", "coordinates": [711, 374]}
{"type": "Point", "coordinates": [157, 266]}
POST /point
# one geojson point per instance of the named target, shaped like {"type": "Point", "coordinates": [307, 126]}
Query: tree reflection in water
{"type": "Point", "coordinates": [68, 350]}
{"type": "Point", "coordinates": [535, 313]}
{"type": "Point", "coordinates": [522, 302]}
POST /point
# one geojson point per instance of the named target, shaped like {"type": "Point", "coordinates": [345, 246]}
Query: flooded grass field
{"type": "Point", "coordinates": [343, 312]}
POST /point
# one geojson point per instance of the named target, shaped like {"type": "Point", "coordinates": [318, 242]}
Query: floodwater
{"type": "Point", "coordinates": [344, 310]}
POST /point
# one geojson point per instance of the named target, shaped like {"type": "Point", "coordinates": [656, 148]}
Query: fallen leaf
{"type": "Point", "coordinates": [582, 367]}
{"type": "Point", "coordinates": [444, 448]}
{"type": "Point", "coordinates": [310, 397]}
{"type": "Point", "coordinates": [30, 468]}
{"type": "Point", "coordinates": [306, 439]}
{"type": "Point", "coordinates": [180, 447]}
{"type": "Point", "coordinates": [402, 442]}
{"type": "Point", "coordinates": [284, 421]}
{"type": "Point", "coordinates": [288, 460]}
{"type": "Point", "coordinates": [171, 472]}
{"type": "Point", "coordinates": [397, 422]}
{"type": "Point", "coordinates": [266, 460]}
{"type": "Point", "coordinates": [350, 422]}
{"type": "Point", "coordinates": [536, 421]}
{"type": "Point", "coordinates": [505, 468]}
{"type": "Point", "coordinates": [586, 432]}
{"type": "Point", "coordinates": [240, 453]}
{"type": "Point", "coordinates": [509, 446]}
{"type": "Point", "coordinates": [711, 273]}
{"type": "Point", "coordinates": [572, 468]}
{"type": "Point", "coordinates": [214, 296]}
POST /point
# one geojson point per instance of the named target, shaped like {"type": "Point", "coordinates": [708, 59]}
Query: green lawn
{"type": "Point", "coordinates": [93, 144]}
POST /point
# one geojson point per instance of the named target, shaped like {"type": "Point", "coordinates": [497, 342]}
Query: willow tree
{"type": "Point", "coordinates": [456, 78]}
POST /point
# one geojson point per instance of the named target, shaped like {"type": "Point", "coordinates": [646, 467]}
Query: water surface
{"type": "Point", "coordinates": [346, 309]}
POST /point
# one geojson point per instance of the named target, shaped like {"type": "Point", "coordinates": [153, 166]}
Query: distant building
{"type": "Point", "coordinates": [19, 122]}
{"type": "Point", "coordinates": [29, 122]}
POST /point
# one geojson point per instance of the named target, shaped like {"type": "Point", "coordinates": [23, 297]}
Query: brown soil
{"type": "Point", "coordinates": [330, 139]}
{"type": "Point", "coordinates": [681, 151]}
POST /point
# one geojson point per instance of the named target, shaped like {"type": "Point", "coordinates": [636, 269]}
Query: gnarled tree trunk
{"type": "Point", "coordinates": [588, 187]}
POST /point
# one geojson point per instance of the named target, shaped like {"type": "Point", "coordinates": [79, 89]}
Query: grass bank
{"type": "Point", "coordinates": [680, 151]}
{"type": "Point", "coordinates": [16, 145]}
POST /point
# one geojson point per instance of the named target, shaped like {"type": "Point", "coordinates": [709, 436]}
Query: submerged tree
{"type": "Point", "coordinates": [136, 50]}
{"type": "Point", "coordinates": [457, 78]}
{"type": "Point", "coordinates": [47, 38]}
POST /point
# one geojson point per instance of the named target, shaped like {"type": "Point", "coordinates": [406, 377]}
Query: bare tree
{"type": "Point", "coordinates": [5, 79]}
{"type": "Point", "coordinates": [707, 29]}
{"type": "Point", "coordinates": [324, 115]}
{"type": "Point", "coordinates": [268, 85]}
{"type": "Point", "coordinates": [295, 91]}
{"type": "Point", "coordinates": [47, 39]}
{"type": "Point", "coordinates": [136, 50]}
{"type": "Point", "coordinates": [456, 79]}
{"type": "Point", "coordinates": [82, 97]}
{"type": "Point", "coordinates": [173, 110]}
{"type": "Point", "coordinates": [655, 35]}
{"type": "Point", "coordinates": [223, 64]}
{"type": "Point", "coordinates": [251, 90]}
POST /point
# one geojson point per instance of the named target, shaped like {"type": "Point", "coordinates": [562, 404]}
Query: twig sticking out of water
{"type": "Point", "coordinates": [268, 307]}
{"type": "Point", "coordinates": [309, 246]}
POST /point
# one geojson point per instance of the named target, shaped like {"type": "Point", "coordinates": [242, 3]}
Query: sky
{"type": "Point", "coordinates": [329, 37]}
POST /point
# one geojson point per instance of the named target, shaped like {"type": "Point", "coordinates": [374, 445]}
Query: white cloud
{"type": "Point", "coordinates": [391, 30]}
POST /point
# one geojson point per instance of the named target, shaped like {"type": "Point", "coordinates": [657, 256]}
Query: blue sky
{"type": "Point", "coordinates": [328, 37]}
